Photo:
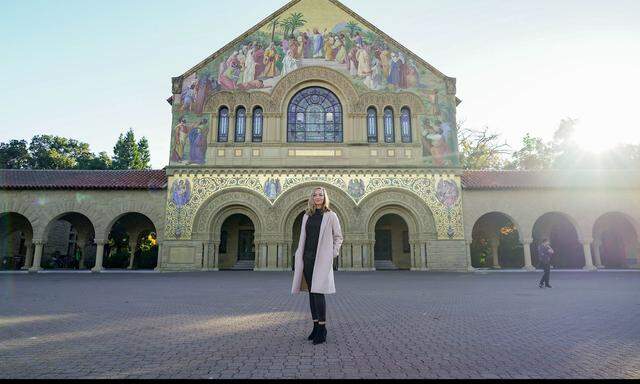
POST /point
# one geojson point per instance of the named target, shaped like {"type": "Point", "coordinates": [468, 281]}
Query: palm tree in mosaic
{"type": "Point", "coordinates": [274, 24]}
{"type": "Point", "coordinates": [293, 22]}
{"type": "Point", "coordinates": [353, 27]}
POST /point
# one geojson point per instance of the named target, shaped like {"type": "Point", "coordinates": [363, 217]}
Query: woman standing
{"type": "Point", "coordinates": [320, 241]}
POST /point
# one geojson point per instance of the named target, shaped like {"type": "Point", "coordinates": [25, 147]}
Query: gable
{"type": "Point", "coordinates": [337, 27]}
{"type": "Point", "coordinates": [321, 33]}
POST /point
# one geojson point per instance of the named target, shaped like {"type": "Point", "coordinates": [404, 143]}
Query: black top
{"type": "Point", "coordinates": [313, 233]}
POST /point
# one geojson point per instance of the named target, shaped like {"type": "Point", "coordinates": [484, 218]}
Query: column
{"type": "Point", "coordinates": [81, 245]}
{"type": "Point", "coordinates": [526, 247]}
{"type": "Point", "coordinates": [588, 262]}
{"type": "Point", "coordinates": [159, 259]}
{"type": "Point", "coordinates": [370, 262]}
{"type": "Point", "coordinates": [206, 254]}
{"type": "Point", "coordinates": [99, 255]}
{"type": "Point", "coordinates": [596, 253]}
{"type": "Point", "coordinates": [345, 257]}
{"type": "Point", "coordinates": [419, 254]}
{"type": "Point", "coordinates": [357, 255]}
{"type": "Point", "coordinates": [289, 254]}
{"type": "Point", "coordinates": [423, 256]}
{"type": "Point", "coordinates": [213, 256]}
{"type": "Point", "coordinates": [495, 243]}
{"type": "Point", "coordinates": [282, 261]}
{"type": "Point", "coordinates": [28, 257]}
{"type": "Point", "coordinates": [470, 267]}
{"type": "Point", "coordinates": [37, 256]}
{"type": "Point", "coordinates": [265, 255]}
{"type": "Point", "coordinates": [133, 241]}
{"type": "Point", "coordinates": [413, 246]}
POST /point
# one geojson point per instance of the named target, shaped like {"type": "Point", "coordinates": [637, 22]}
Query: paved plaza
{"type": "Point", "coordinates": [395, 324]}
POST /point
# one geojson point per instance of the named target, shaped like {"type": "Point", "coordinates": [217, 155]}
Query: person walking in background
{"type": "Point", "coordinates": [320, 241]}
{"type": "Point", "coordinates": [545, 252]}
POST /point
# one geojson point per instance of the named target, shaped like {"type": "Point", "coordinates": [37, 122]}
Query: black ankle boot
{"type": "Point", "coordinates": [321, 335]}
{"type": "Point", "coordinates": [314, 332]}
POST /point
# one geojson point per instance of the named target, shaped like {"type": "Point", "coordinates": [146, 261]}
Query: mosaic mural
{"type": "Point", "coordinates": [317, 33]}
{"type": "Point", "coordinates": [440, 193]}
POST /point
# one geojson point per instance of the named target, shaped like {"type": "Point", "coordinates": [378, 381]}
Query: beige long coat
{"type": "Point", "coordinates": [329, 243]}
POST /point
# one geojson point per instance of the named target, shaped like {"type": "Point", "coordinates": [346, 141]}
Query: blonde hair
{"type": "Point", "coordinates": [311, 205]}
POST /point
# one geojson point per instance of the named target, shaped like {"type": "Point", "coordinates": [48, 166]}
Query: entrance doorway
{"type": "Point", "coordinates": [382, 249]}
{"type": "Point", "coordinates": [246, 247]}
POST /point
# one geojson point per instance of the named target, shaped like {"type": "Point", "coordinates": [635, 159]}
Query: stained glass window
{"type": "Point", "coordinates": [223, 125]}
{"type": "Point", "coordinates": [389, 131]}
{"type": "Point", "coordinates": [241, 124]}
{"type": "Point", "coordinates": [315, 115]}
{"type": "Point", "coordinates": [257, 125]}
{"type": "Point", "coordinates": [405, 124]}
{"type": "Point", "coordinates": [372, 125]}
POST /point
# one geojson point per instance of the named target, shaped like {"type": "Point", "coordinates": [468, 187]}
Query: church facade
{"type": "Point", "coordinates": [314, 95]}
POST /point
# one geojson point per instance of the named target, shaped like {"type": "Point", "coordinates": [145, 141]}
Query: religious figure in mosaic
{"type": "Point", "coordinates": [181, 192]}
{"type": "Point", "coordinates": [447, 193]}
{"type": "Point", "coordinates": [272, 188]}
{"type": "Point", "coordinates": [356, 188]}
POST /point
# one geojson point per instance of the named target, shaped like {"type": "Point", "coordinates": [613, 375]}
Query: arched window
{"type": "Point", "coordinates": [223, 125]}
{"type": "Point", "coordinates": [257, 125]}
{"type": "Point", "coordinates": [315, 116]}
{"type": "Point", "coordinates": [241, 124]}
{"type": "Point", "coordinates": [389, 131]}
{"type": "Point", "coordinates": [405, 124]}
{"type": "Point", "coordinates": [372, 125]}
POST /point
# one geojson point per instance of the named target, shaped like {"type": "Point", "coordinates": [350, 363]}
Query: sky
{"type": "Point", "coordinates": [90, 69]}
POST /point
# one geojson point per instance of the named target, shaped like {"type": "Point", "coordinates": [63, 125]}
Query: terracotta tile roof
{"type": "Point", "coordinates": [71, 179]}
{"type": "Point", "coordinates": [611, 179]}
{"type": "Point", "coordinates": [471, 180]}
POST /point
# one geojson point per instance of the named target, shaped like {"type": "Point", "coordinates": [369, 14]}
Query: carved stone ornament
{"type": "Point", "coordinates": [414, 189]}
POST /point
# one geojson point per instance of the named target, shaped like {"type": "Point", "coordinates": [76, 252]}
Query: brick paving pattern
{"type": "Point", "coordinates": [394, 324]}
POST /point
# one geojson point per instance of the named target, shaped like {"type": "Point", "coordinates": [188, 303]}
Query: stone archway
{"type": "Point", "coordinates": [68, 243]}
{"type": "Point", "coordinates": [571, 250]}
{"type": "Point", "coordinates": [392, 249]}
{"type": "Point", "coordinates": [212, 214]}
{"type": "Point", "coordinates": [237, 249]}
{"type": "Point", "coordinates": [497, 242]}
{"type": "Point", "coordinates": [292, 204]}
{"type": "Point", "coordinates": [615, 241]}
{"type": "Point", "coordinates": [412, 210]}
{"type": "Point", "coordinates": [16, 241]}
{"type": "Point", "coordinates": [129, 244]}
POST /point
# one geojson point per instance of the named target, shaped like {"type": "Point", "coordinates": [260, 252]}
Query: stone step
{"type": "Point", "coordinates": [385, 265]}
{"type": "Point", "coordinates": [244, 265]}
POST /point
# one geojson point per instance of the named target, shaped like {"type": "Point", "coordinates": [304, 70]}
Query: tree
{"type": "Point", "coordinates": [100, 162]}
{"type": "Point", "coordinates": [480, 149]}
{"type": "Point", "coordinates": [535, 154]}
{"type": "Point", "coordinates": [274, 24]}
{"type": "Point", "coordinates": [55, 152]}
{"type": "Point", "coordinates": [125, 152]}
{"type": "Point", "coordinates": [293, 22]}
{"type": "Point", "coordinates": [14, 155]}
{"type": "Point", "coordinates": [144, 155]}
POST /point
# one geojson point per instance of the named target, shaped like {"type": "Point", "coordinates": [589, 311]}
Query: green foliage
{"type": "Point", "coordinates": [14, 155]}
{"type": "Point", "coordinates": [127, 154]}
{"type": "Point", "coordinates": [55, 152]}
{"type": "Point", "coordinates": [353, 27]}
{"type": "Point", "coordinates": [143, 152]}
{"type": "Point", "coordinates": [480, 149]}
{"type": "Point", "coordinates": [291, 23]}
{"type": "Point", "coordinates": [535, 154]}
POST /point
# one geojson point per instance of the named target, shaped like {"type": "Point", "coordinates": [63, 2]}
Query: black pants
{"type": "Point", "coordinates": [547, 272]}
{"type": "Point", "coordinates": [316, 300]}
